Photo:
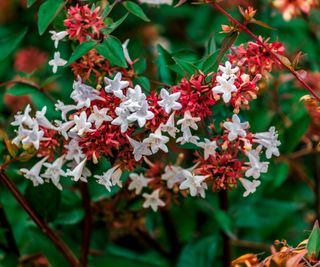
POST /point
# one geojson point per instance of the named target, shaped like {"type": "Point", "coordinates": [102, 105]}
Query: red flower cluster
{"type": "Point", "coordinates": [83, 23]}
{"type": "Point", "coordinates": [29, 59]}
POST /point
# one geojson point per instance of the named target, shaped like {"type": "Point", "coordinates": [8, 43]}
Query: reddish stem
{"type": "Point", "coordinates": [58, 242]}
{"type": "Point", "coordinates": [247, 31]}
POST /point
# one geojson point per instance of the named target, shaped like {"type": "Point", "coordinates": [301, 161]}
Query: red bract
{"type": "Point", "coordinates": [50, 145]}
{"type": "Point", "coordinates": [253, 59]}
{"type": "Point", "coordinates": [159, 114]}
{"type": "Point", "coordinates": [29, 59]}
{"type": "Point", "coordinates": [83, 23]}
{"type": "Point", "coordinates": [196, 95]}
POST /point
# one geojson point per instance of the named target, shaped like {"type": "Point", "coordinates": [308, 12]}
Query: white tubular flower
{"type": "Point", "coordinates": [270, 141]}
{"type": "Point", "coordinates": [169, 102]}
{"type": "Point", "coordinates": [23, 119]}
{"type": "Point", "coordinates": [141, 115]}
{"type": "Point", "coordinates": [135, 98]}
{"type": "Point", "coordinates": [110, 177]}
{"type": "Point", "coordinates": [122, 119]}
{"type": "Point", "coordinates": [195, 184]}
{"type": "Point", "coordinates": [54, 171]}
{"type": "Point", "coordinates": [99, 116]}
{"type": "Point", "coordinates": [74, 151]}
{"type": "Point", "coordinates": [153, 200]}
{"type": "Point", "coordinates": [174, 175]}
{"type": "Point", "coordinates": [187, 137]}
{"type": "Point", "coordinates": [236, 128]}
{"type": "Point", "coordinates": [42, 120]}
{"type": "Point", "coordinates": [34, 173]}
{"type": "Point", "coordinates": [249, 186]}
{"type": "Point", "coordinates": [83, 94]}
{"type": "Point", "coordinates": [256, 167]}
{"type": "Point", "coordinates": [169, 127]}
{"type": "Point", "coordinates": [138, 181]}
{"type": "Point", "coordinates": [157, 141]}
{"type": "Point", "coordinates": [126, 52]}
{"type": "Point", "coordinates": [188, 121]}
{"type": "Point", "coordinates": [81, 124]}
{"type": "Point", "coordinates": [116, 86]}
{"type": "Point", "coordinates": [139, 149]}
{"type": "Point", "coordinates": [56, 62]}
{"type": "Point", "coordinates": [64, 109]}
{"type": "Point", "coordinates": [57, 36]}
{"type": "Point", "coordinates": [209, 147]}
{"type": "Point", "coordinates": [228, 71]}
{"type": "Point", "coordinates": [225, 87]}
{"type": "Point", "coordinates": [64, 127]}
{"type": "Point", "coordinates": [33, 136]}
{"type": "Point", "coordinates": [77, 172]}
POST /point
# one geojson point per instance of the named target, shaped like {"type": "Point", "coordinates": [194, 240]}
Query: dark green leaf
{"type": "Point", "coordinates": [111, 27]}
{"type": "Point", "coordinates": [187, 68]}
{"type": "Point", "coordinates": [143, 82]}
{"type": "Point", "coordinates": [9, 42]}
{"type": "Point", "coordinates": [163, 62]}
{"type": "Point", "coordinates": [140, 66]}
{"type": "Point", "coordinates": [21, 89]}
{"type": "Point", "coordinates": [47, 12]}
{"type": "Point", "coordinates": [112, 50]}
{"type": "Point", "coordinates": [209, 63]}
{"type": "Point", "coordinates": [81, 50]}
{"type": "Point", "coordinates": [313, 245]}
{"type": "Point", "coordinates": [136, 10]}
{"type": "Point", "coordinates": [224, 221]}
{"type": "Point", "coordinates": [30, 3]}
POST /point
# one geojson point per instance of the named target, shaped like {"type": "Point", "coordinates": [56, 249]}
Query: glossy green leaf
{"type": "Point", "coordinates": [47, 12]}
{"type": "Point", "coordinates": [136, 10]}
{"type": "Point", "coordinates": [163, 61]}
{"type": "Point", "coordinates": [81, 50]}
{"type": "Point", "coordinates": [21, 89]}
{"type": "Point", "coordinates": [8, 43]}
{"type": "Point", "coordinates": [113, 26]}
{"type": "Point", "coordinates": [30, 3]}
{"type": "Point", "coordinates": [313, 245]}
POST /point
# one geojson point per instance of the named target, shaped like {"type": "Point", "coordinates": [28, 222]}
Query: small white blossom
{"type": "Point", "coordinates": [54, 171]}
{"type": "Point", "coordinates": [228, 71]}
{"type": "Point", "coordinates": [153, 200]}
{"type": "Point", "coordinates": [81, 124]}
{"type": "Point", "coordinates": [169, 102]}
{"type": "Point", "coordinates": [23, 119]}
{"type": "Point", "coordinates": [78, 172]}
{"type": "Point", "coordinates": [64, 109]}
{"type": "Point", "coordinates": [187, 137]}
{"type": "Point", "coordinates": [64, 127]}
{"type": "Point", "coordinates": [74, 151]}
{"type": "Point", "coordinates": [256, 167]}
{"type": "Point", "coordinates": [122, 119]}
{"type": "Point", "coordinates": [249, 186]}
{"type": "Point", "coordinates": [270, 141]}
{"type": "Point", "coordinates": [57, 36]}
{"type": "Point", "coordinates": [188, 121]}
{"type": "Point", "coordinates": [157, 2]}
{"type": "Point", "coordinates": [56, 62]}
{"type": "Point", "coordinates": [157, 141]}
{"type": "Point", "coordinates": [236, 127]}
{"type": "Point", "coordinates": [34, 173]}
{"type": "Point", "coordinates": [209, 147]}
{"type": "Point", "coordinates": [33, 136]}
{"type": "Point", "coordinates": [135, 98]}
{"type": "Point", "coordinates": [99, 116]}
{"type": "Point", "coordinates": [141, 115]}
{"type": "Point", "coordinates": [139, 149]}
{"type": "Point", "coordinates": [110, 177]}
{"type": "Point", "coordinates": [138, 181]}
{"type": "Point", "coordinates": [42, 120]}
{"type": "Point", "coordinates": [195, 184]}
{"type": "Point", "coordinates": [126, 52]}
{"type": "Point", "coordinates": [174, 175]}
{"type": "Point", "coordinates": [225, 87]}
{"type": "Point", "coordinates": [169, 126]}
{"type": "Point", "coordinates": [116, 86]}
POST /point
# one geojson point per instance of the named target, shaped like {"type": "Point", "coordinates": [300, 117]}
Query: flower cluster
{"type": "Point", "coordinates": [121, 123]}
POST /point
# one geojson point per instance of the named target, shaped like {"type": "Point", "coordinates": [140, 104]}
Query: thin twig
{"type": "Point", "coordinates": [58, 242]}
{"type": "Point", "coordinates": [86, 232]}
{"type": "Point", "coordinates": [276, 57]}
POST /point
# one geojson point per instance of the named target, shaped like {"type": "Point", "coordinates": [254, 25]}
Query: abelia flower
{"type": "Point", "coordinates": [227, 70]}
{"type": "Point", "coordinates": [65, 109]}
{"type": "Point", "coordinates": [42, 120]}
{"type": "Point", "coordinates": [30, 136]}
{"type": "Point", "coordinates": [126, 52]}
{"type": "Point", "coordinates": [74, 151]}
{"type": "Point", "coordinates": [169, 102]}
{"type": "Point", "coordinates": [270, 141]}
{"type": "Point", "coordinates": [157, 141]}
{"type": "Point", "coordinates": [139, 149]}
{"type": "Point", "coordinates": [82, 125]}
{"type": "Point", "coordinates": [153, 200]}
{"type": "Point", "coordinates": [236, 128]}
{"type": "Point", "coordinates": [23, 119]}
{"type": "Point", "coordinates": [110, 178]}
{"type": "Point", "coordinates": [169, 127]}
{"type": "Point", "coordinates": [54, 171]}
{"type": "Point", "coordinates": [188, 121]}
{"type": "Point", "coordinates": [209, 147]}
{"type": "Point", "coordinates": [138, 182]}
{"type": "Point", "coordinates": [34, 173]}
{"type": "Point", "coordinates": [195, 184]}
{"type": "Point", "coordinates": [78, 172]}
{"type": "Point", "coordinates": [141, 115]}
{"type": "Point", "coordinates": [56, 62]}
{"type": "Point", "coordinates": [116, 85]}
{"type": "Point", "coordinates": [122, 119]}
{"type": "Point", "coordinates": [255, 166]}
{"type": "Point", "coordinates": [225, 87]}
{"type": "Point", "coordinates": [99, 116]}
{"type": "Point", "coordinates": [57, 36]}
{"type": "Point", "coordinates": [250, 187]}
{"type": "Point", "coordinates": [187, 137]}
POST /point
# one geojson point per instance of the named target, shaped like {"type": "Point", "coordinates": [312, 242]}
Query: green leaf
{"type": "Point", "coordinates": [163, 62]}
{"type": "Point", "coordinates": [111, 27]}
{"type": "Point", "coordinates": [112, 50]}
{"type": "Point", "coordinates": [45, 199]}
{"type": "Point", "coordinates": [21, 89]}
{"type": "Point", "coordinates": [30, 3]}
{"type": "Point", "coordinates": [313, 245]}
{"type": "Point", "coordinates": [224, 221]}
{"type": "Point", "coordinates": [47, 12]}
{"type": "Point", "coordinates": [209, 63]}
{"type": "Point", "coordinates": [136, 10]}
{"type": "Point", "coordinates": [227, 42]}
{"type": "Point", "coordinates": [187, 68]}
{"type": "Point", "coordinates": [143, 82]}
{"type": "Point", "coordinates": [140, 66]}
{"type": "Point", "coordinates": [10, 42]}
{"type": "Point", "coordinates": [211, 46]}
{"type": "Point", "coordinates": [81, 50]}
